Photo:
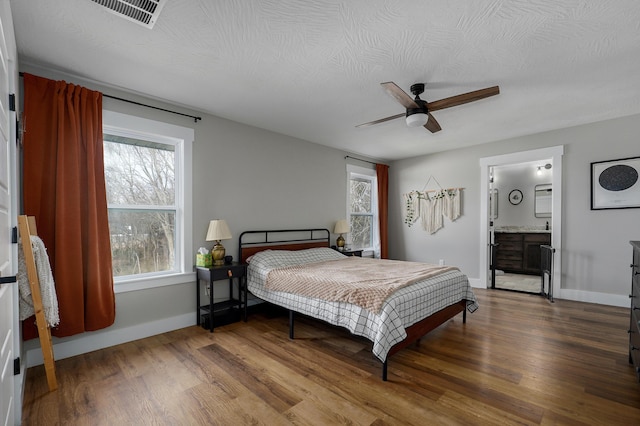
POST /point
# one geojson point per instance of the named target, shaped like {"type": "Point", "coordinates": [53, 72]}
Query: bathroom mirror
{"type": "Point", "coordinates": [542, 200]}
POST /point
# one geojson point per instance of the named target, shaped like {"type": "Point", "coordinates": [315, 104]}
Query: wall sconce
{"type": "Point", "coordinates": [218, 230]}
{"type": "Point", "coordinates": [546, 167]}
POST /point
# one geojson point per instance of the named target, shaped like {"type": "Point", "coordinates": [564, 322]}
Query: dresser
{"type": "Point", "coordinates": [634, 326]}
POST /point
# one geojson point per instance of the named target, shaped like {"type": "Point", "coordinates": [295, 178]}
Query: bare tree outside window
{"type": "Point", "coordinates": [140, 180]}
{"type": "Point", "coordinates": [361, 217]}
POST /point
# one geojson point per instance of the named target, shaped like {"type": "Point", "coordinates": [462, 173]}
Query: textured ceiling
{"type": "Point", "coordinates": [313, 69]}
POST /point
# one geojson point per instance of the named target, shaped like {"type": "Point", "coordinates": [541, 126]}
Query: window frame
{"type": "Point", "coordinates": [357, 172]}
{"type": "Point", "coordinates": [182, 139]}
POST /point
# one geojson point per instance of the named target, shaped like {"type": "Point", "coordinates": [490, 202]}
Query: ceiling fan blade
{"type": "Point", "coordinates": [400, 95]}
{"type": "Point", "coordinates": [463, 98]}
{"type": "Point", "coordinates": [432, 125]}
{"type": "Point", "coordinates": [382, 120]}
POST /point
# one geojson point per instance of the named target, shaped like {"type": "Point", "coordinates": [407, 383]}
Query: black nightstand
{"type": "Point", "coordinates": [233, 272]}
{"type": "Point", "coordinates": [349, 252]}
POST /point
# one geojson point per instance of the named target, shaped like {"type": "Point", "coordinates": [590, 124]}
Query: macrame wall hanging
{"type": "Point", "coordinates": [431, 206]}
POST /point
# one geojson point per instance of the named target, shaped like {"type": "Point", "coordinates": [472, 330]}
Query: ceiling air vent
{"type": "Point", "coordinates": [143, 12]}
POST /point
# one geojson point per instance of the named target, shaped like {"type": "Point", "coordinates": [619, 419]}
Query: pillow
{"type": "Point", "coordinates": [269, 259]}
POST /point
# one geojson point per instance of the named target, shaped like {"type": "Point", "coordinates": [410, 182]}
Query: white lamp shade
{"type": "Point", "coordinates": [418, 119]}
{"type": "Point", "coordinates": [342, 227]}
{"type": "Point", "coordinates": [218, 230]}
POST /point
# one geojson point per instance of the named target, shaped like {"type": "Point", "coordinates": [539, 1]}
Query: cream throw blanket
{"type": "Point", "coordinates": [47, 285]}
{"type": "Point", "coordinates": [361, 281]}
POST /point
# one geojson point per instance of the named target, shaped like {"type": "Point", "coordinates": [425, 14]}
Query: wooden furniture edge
{"type": "Point", "coordinates": [246, 252]}
{"type": "Point", "coordinates": [416, 331]}
{"type": "Point", "coordinates": [249, 248]}
{"type": "Point", "coordinates": [424, 326]}
{"type": "Point", "coordinates": [27, 227]}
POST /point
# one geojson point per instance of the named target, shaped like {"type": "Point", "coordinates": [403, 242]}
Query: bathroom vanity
{"type": "Point", "coordinates": [519, 251]}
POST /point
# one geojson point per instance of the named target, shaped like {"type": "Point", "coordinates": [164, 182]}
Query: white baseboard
{"type": "Point", "coordinates": [595, 297]}
{"type": "Point", "coordinates": [579, 296]}
{"type": "Point", "coordinates": [95, 340]}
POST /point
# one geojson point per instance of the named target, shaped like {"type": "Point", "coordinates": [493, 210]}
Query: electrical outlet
{"type": "Point", "coordinates": [441, 262]}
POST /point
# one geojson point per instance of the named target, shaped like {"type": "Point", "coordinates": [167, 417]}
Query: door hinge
{"type": "Point", "coordinates": [16, 366]}
{"type": "Point", "coordinates": [14, 235]}
{"type": "Point", "coordinates": [12, 102]}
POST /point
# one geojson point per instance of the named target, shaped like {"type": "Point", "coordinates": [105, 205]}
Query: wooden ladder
{"type": "Point", "coordinates": [27, 227]}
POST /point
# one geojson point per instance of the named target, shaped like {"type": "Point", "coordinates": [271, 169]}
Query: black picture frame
{"type": "Point", "coordinates": [615, 184]}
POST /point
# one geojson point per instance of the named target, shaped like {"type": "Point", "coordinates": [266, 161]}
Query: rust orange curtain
{"type": "Point", "coordinates": [64, 188]}
{"type": "Point", "coordinates": [382, 173]}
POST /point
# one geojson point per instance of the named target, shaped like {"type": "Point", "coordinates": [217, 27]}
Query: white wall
{"type": "Point", "coordinates": [595, 250]}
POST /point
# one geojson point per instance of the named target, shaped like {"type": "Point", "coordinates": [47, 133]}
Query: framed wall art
{"type": "Point", "coordinates": [515, 197]}
{"type": "Point", "coordinates": [615, 184]}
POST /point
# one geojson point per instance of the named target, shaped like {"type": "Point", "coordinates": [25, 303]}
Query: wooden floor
{"type": "Point", "coordinates": [518, 360]}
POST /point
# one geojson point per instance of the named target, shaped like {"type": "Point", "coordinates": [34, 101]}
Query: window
{"type": "Point", "coordinates": [148, 198]}
{"type": "Point", "coordinates": [362, 206]}
{"type": "Point", "coordinates": [140, 178]}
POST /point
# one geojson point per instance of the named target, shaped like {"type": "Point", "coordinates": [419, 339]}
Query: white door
{"type": "Point", "coordinates": [8, 290]}
{"type": "Point", "coordinates": [6, 354]}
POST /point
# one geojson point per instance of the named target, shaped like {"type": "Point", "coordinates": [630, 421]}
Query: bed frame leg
{"type": "Point", "coordinates": [384, 370]}
{"type": "Point", "coordinates": [291, 315]}
{"type": "Point", "coordinates": [464, 316]}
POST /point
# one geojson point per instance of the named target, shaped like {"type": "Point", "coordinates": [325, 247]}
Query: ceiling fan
{"type": "Point", "coordinates": [418, 112]}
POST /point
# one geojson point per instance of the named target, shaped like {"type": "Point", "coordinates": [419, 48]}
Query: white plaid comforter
{"type": "Point", "coordinates": [402, 309]}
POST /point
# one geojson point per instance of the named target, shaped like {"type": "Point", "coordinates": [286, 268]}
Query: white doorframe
{"type": "Point", "coordinates": [555, 153]}
{"type": "Point", "coordinates": [11, 386]}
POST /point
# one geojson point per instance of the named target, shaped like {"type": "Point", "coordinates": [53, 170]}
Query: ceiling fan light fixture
{"type": "Point", "coordinates": [418, 112]}
{"type": "Point", "coordinates": [416, 118]}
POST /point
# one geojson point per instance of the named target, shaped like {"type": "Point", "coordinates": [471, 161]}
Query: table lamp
{"type": "Point", "coordinates": [218, 230]}
{"type": "Point", "coordinates": [342, 227]}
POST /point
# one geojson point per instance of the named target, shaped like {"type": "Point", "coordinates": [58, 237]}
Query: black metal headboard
{"type": "Point", "coordinates": [251, 242]}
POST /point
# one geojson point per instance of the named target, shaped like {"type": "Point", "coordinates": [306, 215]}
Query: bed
{"type": "Point", "coordinates": [392, 322]}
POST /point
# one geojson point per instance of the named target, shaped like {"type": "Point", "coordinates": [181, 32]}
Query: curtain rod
{"type": "Point", "coordinates": [359, 159]}
{"type": "Point", "coordinates": [195, 118]}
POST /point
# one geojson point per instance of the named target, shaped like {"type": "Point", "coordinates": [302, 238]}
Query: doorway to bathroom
{"type": "Point", "coordinates": [519, 223]}
{"type": "Point", "coordinates": [521, 210]}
